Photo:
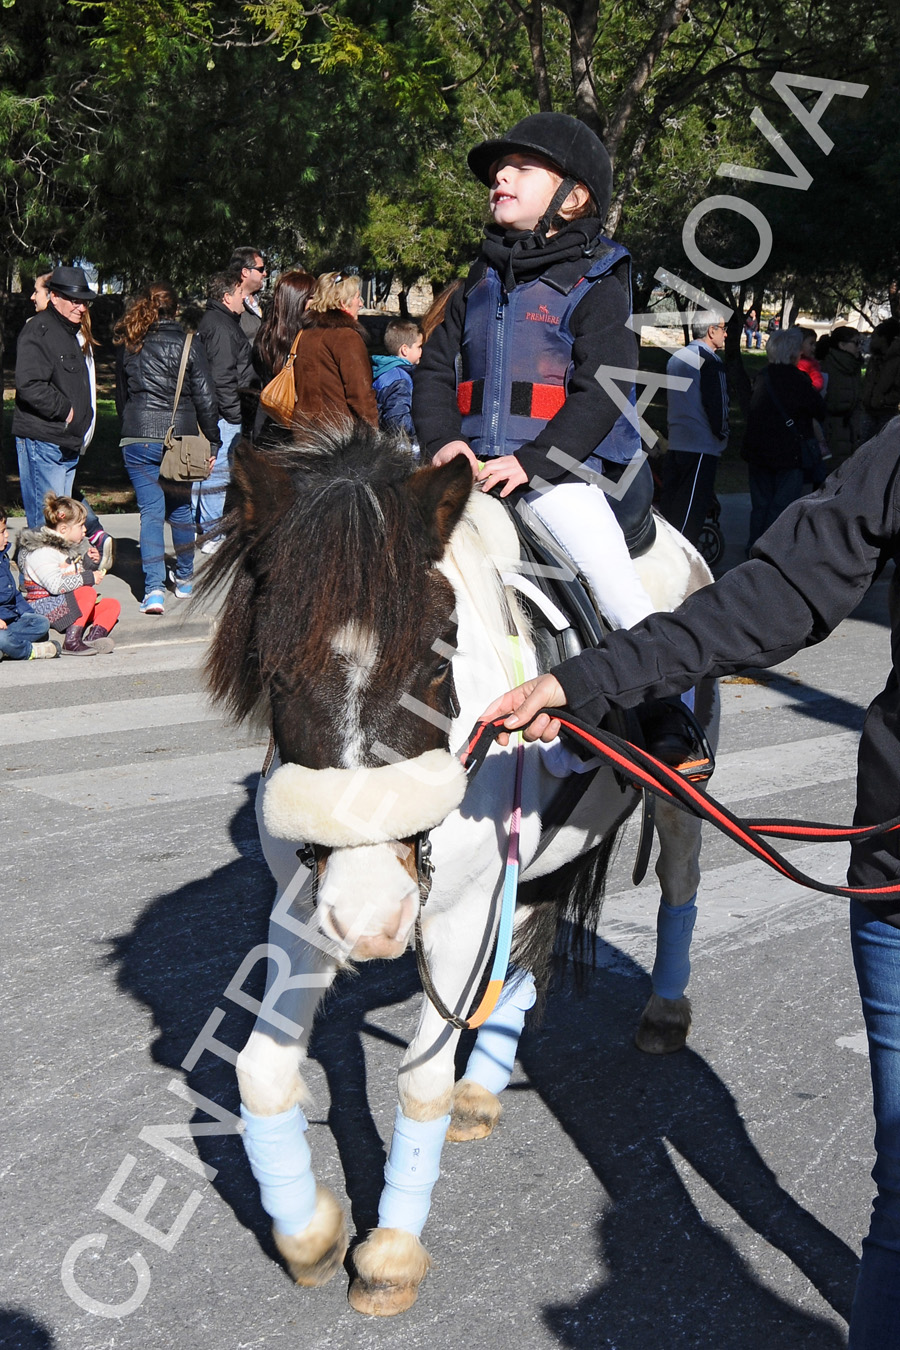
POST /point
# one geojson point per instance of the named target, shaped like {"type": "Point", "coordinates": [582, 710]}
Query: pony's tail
{"type": "Point", "coordinates": [564, 910]}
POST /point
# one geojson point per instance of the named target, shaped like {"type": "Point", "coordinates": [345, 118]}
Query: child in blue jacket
{"type": "Point", "coordinates": [21, 630]}
{"type": "Point", "coordinates": [393, 382]}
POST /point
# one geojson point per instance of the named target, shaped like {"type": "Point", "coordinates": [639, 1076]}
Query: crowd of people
{"type": "Point", "coordinates": [237, 350]}
{"type": "Point", "coordinates": [810, 404]}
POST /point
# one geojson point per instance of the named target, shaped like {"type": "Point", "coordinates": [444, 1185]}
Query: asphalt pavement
{"type": "Point", "coordinates": [713, 1199]}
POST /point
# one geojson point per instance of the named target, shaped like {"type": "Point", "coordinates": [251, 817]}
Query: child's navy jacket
{"type": "Point", "coordinates": [12, 603]}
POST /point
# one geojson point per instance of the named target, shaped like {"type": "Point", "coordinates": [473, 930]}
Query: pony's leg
{"type": "Point", "coordinates": [308, 1225]}
{"type": "Point", "coordinates": [392, 1262]}
{"type": "Point", "coordinates": [666, 1020]}
{"type": "Point", "coordinates": [476, 1097]}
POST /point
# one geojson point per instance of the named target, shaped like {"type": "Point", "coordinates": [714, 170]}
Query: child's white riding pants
{"type": "Point", "coordinates": [581, 520]}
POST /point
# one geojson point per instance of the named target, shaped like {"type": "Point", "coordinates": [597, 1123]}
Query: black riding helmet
{"type": "Point", "coordinates": [568, 143]}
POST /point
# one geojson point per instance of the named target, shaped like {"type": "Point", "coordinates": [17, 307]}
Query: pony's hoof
{"type": "Point", "coordinates": [475, 1112]}
{"type": "Point", "coordinates": [664, 1025]}
{"type": "Point", "coordinates": [314, 1255]}
{"type": "Point", "coordinates": [390, 1266]}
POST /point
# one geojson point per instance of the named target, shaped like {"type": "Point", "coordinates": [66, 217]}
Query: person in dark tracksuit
{"type": "Point", "coordinates": [697, 427]}
{"type": "Point", "coordinates": [805, 574]}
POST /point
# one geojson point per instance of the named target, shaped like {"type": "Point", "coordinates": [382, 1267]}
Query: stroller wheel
{"type": "Point", "coordinates": [711, 544]}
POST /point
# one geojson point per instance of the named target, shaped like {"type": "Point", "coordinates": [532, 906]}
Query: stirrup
{"type": "Point", "coordinates": [691, 754]}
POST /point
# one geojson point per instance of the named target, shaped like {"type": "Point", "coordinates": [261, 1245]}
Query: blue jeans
{"type": "Point", "coordinates": [208, 497]}
{"type": "Point", "coordinates": [158, 504]}
{"type": "Point", "coordinates": [43, 468]}
{"type": "Point", "coordinates": [17, 637]}
{"type": "Point", "coordinates": [875, 1320]}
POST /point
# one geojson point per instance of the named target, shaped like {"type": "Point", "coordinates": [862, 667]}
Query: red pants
{"type": "Point", "coordinates": [104, 612]}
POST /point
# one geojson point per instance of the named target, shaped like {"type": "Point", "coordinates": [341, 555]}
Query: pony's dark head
{"type": "Point", "coordinates": [338, 627]}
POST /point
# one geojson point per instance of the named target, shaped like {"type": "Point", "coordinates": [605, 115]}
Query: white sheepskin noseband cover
{"type": "Point", "coordinates": [342, 808]}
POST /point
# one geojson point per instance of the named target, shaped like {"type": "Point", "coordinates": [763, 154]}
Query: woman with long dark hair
{"type": "Point", "coordinates": [282, 322]}
{"type": "Point", "coordinates": [276, 337]}
{"type": "Point", "coordinates": [151, 344]}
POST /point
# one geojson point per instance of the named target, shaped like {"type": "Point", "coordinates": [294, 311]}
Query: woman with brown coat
{"type": "Point", "coordinates": [332, 370]}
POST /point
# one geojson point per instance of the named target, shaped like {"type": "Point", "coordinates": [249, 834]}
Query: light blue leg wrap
{"type": "Point", "coordinates": [281, 1162]}
{"type": "Point", "coordinates": [493, 1055]}
{"type": "Point", "coordinates": [412, 1168]}
{"type": "Point", "coordinates": [674, 928]}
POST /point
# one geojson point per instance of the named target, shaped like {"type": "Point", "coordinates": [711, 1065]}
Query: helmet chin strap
{"type": "Point", "coordinates": [562, 192]}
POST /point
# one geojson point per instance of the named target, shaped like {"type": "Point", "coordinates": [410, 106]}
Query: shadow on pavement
{"type": "Point", "coordinates": [660, 1265]}
{"type": "Point", "coordinates": [19, 1331]}
{"type": "Point", "coordinates": [664, 1267]}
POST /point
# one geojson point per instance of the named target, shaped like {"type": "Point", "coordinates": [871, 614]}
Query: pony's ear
{"type": "Point", "coordinates": [260, 487]}
{"type": "Point", "coordinates": [441, 495]}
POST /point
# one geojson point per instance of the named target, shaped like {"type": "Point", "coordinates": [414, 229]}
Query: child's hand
{"type": "Point", "coordinates": [2, 623]}
{"type": "Point", "coordinates": [99, 574]}
{"type": "Point", "coordinates": [451, 450]}
{"type": "Point", "coordinates": [504, 469]}
{"type": "Point", "coordinates": [93, 554]}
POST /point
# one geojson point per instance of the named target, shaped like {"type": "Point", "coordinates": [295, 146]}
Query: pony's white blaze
{"type": "Point", "coordinates": [368, 898]}
{"type": "Point", "coordinates": [357, 648]}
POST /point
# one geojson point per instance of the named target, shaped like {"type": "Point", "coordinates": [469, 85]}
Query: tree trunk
{"type": "Point", "coordinates": [532, 20]}
{"type": "Point", "coordinates": [618, 123]}
{"type": "Point", "coordinates": [582, 16]}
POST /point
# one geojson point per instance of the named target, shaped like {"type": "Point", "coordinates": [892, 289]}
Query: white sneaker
{"type": "Point", "coordinates": [43, 651]}
{"type": "Point", "coordinates": [211, 545]}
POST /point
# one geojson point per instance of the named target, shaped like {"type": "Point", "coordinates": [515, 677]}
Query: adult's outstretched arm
{"type": "Point", "coordinates": [808, 572]}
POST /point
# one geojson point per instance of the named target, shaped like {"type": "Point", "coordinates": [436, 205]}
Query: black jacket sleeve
{"type": "Point", "coordinates": [202, 392]}
{"type": "Point", "coordinates": [808, 572]}
{"type": "Point", "coordinates": [713, 395]}
{"type": "Point", "coordinates": [435, 412]}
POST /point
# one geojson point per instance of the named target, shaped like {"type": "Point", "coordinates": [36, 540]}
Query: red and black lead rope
{"type": "Point", "coordinates": [647, 772]}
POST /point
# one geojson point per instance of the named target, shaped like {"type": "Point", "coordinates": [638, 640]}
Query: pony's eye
{"type": "Point", "coordinates": [441, 669]}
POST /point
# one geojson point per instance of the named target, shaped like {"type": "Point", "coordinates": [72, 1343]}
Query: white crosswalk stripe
{"type": "Point", "coordinates": [735, 896]}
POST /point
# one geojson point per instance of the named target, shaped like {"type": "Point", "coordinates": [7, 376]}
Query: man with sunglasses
{"type": "Point", "coordinates": [698, 427]}
{"type": "Point", "coordinates": [252, 266]}
{"type": "Point", "coordinates": [53, 393]}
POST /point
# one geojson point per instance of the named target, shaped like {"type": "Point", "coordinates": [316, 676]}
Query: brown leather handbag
{"type": "Point", "coordinates": [185, 458]}
{"type": "Point", "coordinates": [279, 395]}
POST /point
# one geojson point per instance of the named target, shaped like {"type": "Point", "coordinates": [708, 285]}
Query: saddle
{"type": "Point", "coordinates": [565, 621]}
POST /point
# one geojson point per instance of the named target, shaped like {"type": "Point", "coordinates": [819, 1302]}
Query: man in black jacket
{"type": "Point", "coordinates": [53, 393]}
{"type": "Point", "coordinates": [228, 353]}
{"type": "Point", "coordinates": [252, 266]}
{"type": "Point", "coordinates": [807, 572]}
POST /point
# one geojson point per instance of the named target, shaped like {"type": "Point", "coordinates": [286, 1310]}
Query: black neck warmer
{"type": "Point", "coordinates": [522, 255]}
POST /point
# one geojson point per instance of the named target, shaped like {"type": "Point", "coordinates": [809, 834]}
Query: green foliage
{"type": "Point", "coordinates": [153, 135]}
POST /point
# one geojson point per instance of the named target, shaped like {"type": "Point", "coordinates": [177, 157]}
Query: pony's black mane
{"type": "Point", "coordinates": [318, 533]}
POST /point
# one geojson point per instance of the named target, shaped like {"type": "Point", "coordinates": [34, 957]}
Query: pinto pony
{"type": "Point", "coordinates": [366, 626]}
